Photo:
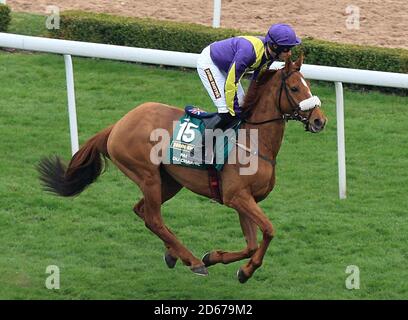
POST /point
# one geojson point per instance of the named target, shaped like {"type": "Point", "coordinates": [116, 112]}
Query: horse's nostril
{"type": "Point", "coordinates": [318, 123]}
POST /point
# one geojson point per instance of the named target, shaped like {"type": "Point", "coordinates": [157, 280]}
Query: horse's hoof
{"type": "Point", "coordinates": [170, 261]}
{"type": "Point", "coordinates": [201, 270]}
{"type": "Point", "coordinates": [241, 276]}
{"type": "Point", "coordinates": [206, 259]}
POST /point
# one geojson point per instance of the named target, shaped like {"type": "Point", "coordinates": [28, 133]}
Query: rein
{"type": "Point", "coordinates": [266, 121]}
{"type": "Point", "coordinates": [254, 153]}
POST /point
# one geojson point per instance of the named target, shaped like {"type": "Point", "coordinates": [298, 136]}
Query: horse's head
{"type": "Point", "coordinates": [295, 100]}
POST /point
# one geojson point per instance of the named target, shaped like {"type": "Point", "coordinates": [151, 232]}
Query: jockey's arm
{"type": "Point", "coordinates": [236, 71]}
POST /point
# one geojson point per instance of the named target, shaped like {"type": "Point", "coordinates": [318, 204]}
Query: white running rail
{"type": "Point", "coordinates": [181, 59]}
{"type": "Point", "coordinates": [217, 14]}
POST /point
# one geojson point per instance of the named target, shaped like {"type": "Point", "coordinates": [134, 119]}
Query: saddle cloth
{"type": "Point", "coordinates": [187, 148]}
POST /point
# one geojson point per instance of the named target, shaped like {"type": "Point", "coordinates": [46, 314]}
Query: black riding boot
{"type": "Point", "coordinates": [219, 121]}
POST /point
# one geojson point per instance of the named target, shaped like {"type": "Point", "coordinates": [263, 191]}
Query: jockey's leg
{"type": "Point", "coordinates": [213, 80]}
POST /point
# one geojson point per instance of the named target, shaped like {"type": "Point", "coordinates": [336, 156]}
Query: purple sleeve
{"type": "Point", "coordinates": [243, 59]}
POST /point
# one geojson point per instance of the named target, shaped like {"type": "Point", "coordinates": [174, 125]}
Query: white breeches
{"type": "Point", "coordinates": [214, 79]}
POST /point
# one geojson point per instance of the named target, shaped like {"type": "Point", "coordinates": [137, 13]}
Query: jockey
{"type": "Point", "coordinates": [222, 64]}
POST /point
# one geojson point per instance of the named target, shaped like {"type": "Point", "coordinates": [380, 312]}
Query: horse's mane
{"type": "Point", "coordinates": [255, 92]}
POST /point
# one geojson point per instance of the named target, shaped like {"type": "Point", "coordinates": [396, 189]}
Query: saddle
{"type": "Point", "coordinates": [198, 113]}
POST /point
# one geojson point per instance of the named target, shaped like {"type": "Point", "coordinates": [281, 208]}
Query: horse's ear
{"type": "Point", "coordinates": [299, 61]}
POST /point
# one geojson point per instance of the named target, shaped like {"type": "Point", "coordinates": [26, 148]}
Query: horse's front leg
{"type": "Point", "coordinates": [249, 230]}
{"type": "Point", "coordinates": [246, 205]}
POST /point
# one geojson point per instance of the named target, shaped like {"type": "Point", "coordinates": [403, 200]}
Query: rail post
{"type": "Point", "coordinates": [217, 14]}
{"type": "Point", "coordinates": [341, 146]}
{"type": "Point", "coordinates": [73, 126]}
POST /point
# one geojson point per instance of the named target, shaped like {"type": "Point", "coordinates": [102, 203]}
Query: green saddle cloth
{"type": "Point", "coordinates": [186, 147]}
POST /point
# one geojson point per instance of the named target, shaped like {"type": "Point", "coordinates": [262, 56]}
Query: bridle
{"type": "Point", "coordinates": [296, 107]}
{"type": "Point", "coordinates": [295, 115]}
{"type": "Point", "coordinates": [308, 104]}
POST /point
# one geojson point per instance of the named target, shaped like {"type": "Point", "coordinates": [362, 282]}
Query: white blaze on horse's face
{"type": "Point", "coordinates": [311, 102]}
{"type": "Point", "coordinates": [305, 84]}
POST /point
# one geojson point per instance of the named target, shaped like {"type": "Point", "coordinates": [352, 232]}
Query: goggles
{"type": "Point", "coordinates": [279, 49]}
{"type": "Point", "coordinates": [284, 48]}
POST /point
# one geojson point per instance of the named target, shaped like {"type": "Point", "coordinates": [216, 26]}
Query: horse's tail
{"type": "Point", "coordinates": [84, 168]}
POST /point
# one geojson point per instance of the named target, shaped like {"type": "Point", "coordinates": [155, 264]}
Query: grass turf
{"type": "Point", "coordinates": [104, 251]}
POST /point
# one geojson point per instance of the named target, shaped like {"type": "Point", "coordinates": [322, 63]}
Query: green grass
{"type": "Point", "coordinates": [104, 251]}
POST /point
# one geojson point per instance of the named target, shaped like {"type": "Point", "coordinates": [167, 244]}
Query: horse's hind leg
{"type": "Point", "coordinates": [154, 222]}
{"type": "Point", "coordinates": [249, 229]}
{"type": "Point", "coordinates": [170, 256]}
{"type": "Point", "coordinates": [150, 183]}
{"type": "Point", "coordinates": [169, 188]}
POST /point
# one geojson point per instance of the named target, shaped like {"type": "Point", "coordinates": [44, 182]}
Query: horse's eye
{"type": "Point", "coordinates": [294, 89]}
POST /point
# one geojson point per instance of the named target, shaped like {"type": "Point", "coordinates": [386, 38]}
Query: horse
{"type": "Point", "coordinates": [274, 98]}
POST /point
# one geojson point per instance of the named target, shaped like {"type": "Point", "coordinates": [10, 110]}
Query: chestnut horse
{"type": "Point", "coordinates": [275, 97]}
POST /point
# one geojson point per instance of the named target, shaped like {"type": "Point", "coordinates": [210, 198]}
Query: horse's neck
{"type": "Point", "coordinates": [270, 134]}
